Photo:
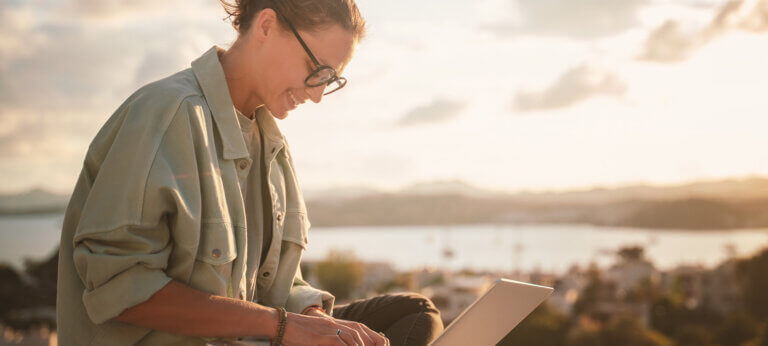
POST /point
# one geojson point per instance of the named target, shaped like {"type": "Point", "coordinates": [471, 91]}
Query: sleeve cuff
{"type": "Point", "coordinates": [123, 291]}
{"type": "Point", "coordinates": [303, 296]}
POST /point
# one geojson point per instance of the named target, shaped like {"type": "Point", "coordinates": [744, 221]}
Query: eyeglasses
{"type": "Point", "coordinates": [322, 74]}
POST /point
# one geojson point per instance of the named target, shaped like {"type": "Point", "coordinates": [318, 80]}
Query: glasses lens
{"type": "Point", "coordinates": [335, 85]}
{"type": "Point", "coordinates": [320, 76]}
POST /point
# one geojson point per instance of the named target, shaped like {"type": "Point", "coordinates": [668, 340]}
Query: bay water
{"type": "Point", "coordinates": [526, 248]}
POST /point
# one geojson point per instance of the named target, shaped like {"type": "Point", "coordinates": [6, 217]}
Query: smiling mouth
{"type": "Point", "coordinates": [294, 99]}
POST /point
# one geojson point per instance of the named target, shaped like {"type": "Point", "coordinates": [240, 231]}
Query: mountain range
{"type": "Point", "coordinates": [710, 205]}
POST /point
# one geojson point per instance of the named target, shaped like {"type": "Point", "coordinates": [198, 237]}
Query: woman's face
{"type": "Point", "coordinates": [286, 65]}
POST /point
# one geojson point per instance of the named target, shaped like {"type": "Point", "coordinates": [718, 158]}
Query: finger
{"type": "Point", "coordinates": [356, 335]}
{"type": "Point", "coordinates": [373, 337]}
{"type": "Point", "coordinates": [333, 340]}
{"type": "Point", "coordinates": [386, 339]}
{"type": "Point", "coordinates": [348, 337]}
{"type": "Point", "coordinates": [382, 339]}
{"type": "Point", "coordinates": [367, 335]}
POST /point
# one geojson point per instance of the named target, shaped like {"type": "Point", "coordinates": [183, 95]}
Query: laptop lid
{"type": "Point", "coordinates": [494, 314]}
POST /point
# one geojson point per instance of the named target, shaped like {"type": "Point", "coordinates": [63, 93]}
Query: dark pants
{"type": "Point", "coordinates": [405, 318]}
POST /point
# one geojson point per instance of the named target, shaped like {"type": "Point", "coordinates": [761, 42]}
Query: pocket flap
{"type": "Point", "coordinates": [217, 243]}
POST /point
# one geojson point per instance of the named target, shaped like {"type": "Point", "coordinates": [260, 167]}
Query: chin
{"type": "Point", "coordinates": [278, 113]}
{"type": "Point", "coordinates": [280, 116]}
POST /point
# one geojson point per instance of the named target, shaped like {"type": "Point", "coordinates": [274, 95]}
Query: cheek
{"type": "Point", "coordinates": [285, 75]}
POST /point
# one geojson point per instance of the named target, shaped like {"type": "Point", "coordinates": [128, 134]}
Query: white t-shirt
{"type": "Point", "coordinates": [253, 187]}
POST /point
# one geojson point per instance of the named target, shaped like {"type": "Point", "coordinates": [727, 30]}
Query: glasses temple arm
{"type": "Point", "coordinates": [301, 41]}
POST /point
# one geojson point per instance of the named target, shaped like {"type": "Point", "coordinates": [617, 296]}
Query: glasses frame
{"type": "Point", "coordinates": [318, 67]}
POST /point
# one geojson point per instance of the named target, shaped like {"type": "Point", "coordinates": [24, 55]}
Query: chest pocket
{"type": "Point", "coordinates": [217, 243]}
{"type": "Point", "coordinates": [296, 228]}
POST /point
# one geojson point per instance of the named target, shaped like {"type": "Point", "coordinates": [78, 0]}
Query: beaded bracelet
{"type": "Point", "coordinates": [281, 326]}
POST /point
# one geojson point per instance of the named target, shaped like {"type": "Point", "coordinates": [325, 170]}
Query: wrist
{"type": "Point", "coordinates": [265, 323]}
{"type": "Point", "coordinates": [314, 310]}
{"type": "Point", "coordinates": [282, 321]}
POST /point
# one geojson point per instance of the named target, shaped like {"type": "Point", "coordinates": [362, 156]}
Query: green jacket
{"type": "Point", "coordinates": [158, 198]}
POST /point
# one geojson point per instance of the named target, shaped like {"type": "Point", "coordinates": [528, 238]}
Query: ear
{"type": "Point", "coordinates": [264, 24]}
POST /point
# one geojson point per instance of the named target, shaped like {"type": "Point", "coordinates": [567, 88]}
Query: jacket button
{"type": "Point", "coordinates": [279, 217]}
{"type": "Point", "coordinates": [243, 164]}
{"type": "Point", "coordinates": [216, 253]}
{"type": "Point", "coordinates": [266, 274]}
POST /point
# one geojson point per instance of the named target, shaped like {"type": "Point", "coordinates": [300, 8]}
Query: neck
{"type": "Point", "coordinates": [238, 65]}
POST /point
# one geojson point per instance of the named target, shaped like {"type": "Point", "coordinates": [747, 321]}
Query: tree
{"type": "Point", "coordinates": [620, 330]}
{"type": "Point", "coordinates": [693, 335]}
{"type": "Point", "coordinates": [753, 275]}
{"type": "Point", "coordinates": [761, 339]}
{"type": "Point", "coordinates": [591, 294]}
{"type": "Point", "coordinates": [21, 294]}
{"type": "Point", "coordinates": [670, 316]}
{"type": "Point", "coordinates": [628, 331]}
{"type": "Point", "coordinates": [12, 290]}
{"type": "Point", "coordinates": [340, 273]}
{"type": "Point", "coordinates": [737, 329]}
{"type": "Point", "coordinates": [631, 253]}
{"type": "Point", "coordinates": [44, 274]}
{"type": "Point", "coordinates": [544, 326]}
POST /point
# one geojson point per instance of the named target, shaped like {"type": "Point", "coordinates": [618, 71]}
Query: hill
{"type": "Point", "coordinates": [712, 205]}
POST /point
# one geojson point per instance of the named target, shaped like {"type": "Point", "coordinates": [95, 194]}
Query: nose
{"type": "Point", "coordinates": [316, 93]}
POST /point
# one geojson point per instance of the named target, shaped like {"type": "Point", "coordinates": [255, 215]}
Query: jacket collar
{"type": "Point", "coordinates": [210, 76]}
{"type": "Point", "coordinates": [268, 125]}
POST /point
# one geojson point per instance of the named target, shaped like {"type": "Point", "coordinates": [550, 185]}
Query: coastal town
{"type": "Point", "coordinates": [629, 302]}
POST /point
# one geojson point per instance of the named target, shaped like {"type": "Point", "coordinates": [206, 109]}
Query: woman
{"type": "Point", "coordinates": [187, 223]}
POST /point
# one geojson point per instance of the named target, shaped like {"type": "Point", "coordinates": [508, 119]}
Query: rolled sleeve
{"type": "Point", "coordinates": [125, 290]}
{"type": "Point", "coordinates": [127, 229]}
{"type": "Point", "coordinates": [121, 268]}
{"type": "Point", "coordinates": [302, 295]}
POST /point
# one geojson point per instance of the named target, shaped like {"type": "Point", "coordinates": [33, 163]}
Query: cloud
{"type": "Point", "coordinates": [68, 70]}
{"type": "Point", "coordinates": [61, 76]}
{"type": "Point", "coordinates": [33, 134]}
{"type": "Point", "coordinates": [749, 15]}
{"type": "Point", "coordinates": [69, 63]}
{"type": "Point", "coordinates": [438, 111]}
{"type": "Point", "coordinates": [673, 41]}
{"type": "Point", "coordinates": [111, 10]}
{"type": "Point", "coordinates": [580, 19]}
{"type": "Point", "coordinates": [670, 42]}
{"type": "Point", "coordinates": [111, 7]}
{"type": "Point", "coordinates": [577, 84]}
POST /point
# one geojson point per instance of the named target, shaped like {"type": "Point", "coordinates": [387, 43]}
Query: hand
{"type": "Point", "coordinates": [303, 330]}
{"type": "Point", "coordinates": [369, 336]}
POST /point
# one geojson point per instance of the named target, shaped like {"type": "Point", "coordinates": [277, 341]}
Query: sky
{"type": "Point", "coordinates": [502, 94]}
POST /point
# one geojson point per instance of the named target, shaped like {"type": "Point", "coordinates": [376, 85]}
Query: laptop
{"type": "Point", "coordinates": [485, 322]}
{"type": "Point", "coordinates": [492, 316]}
